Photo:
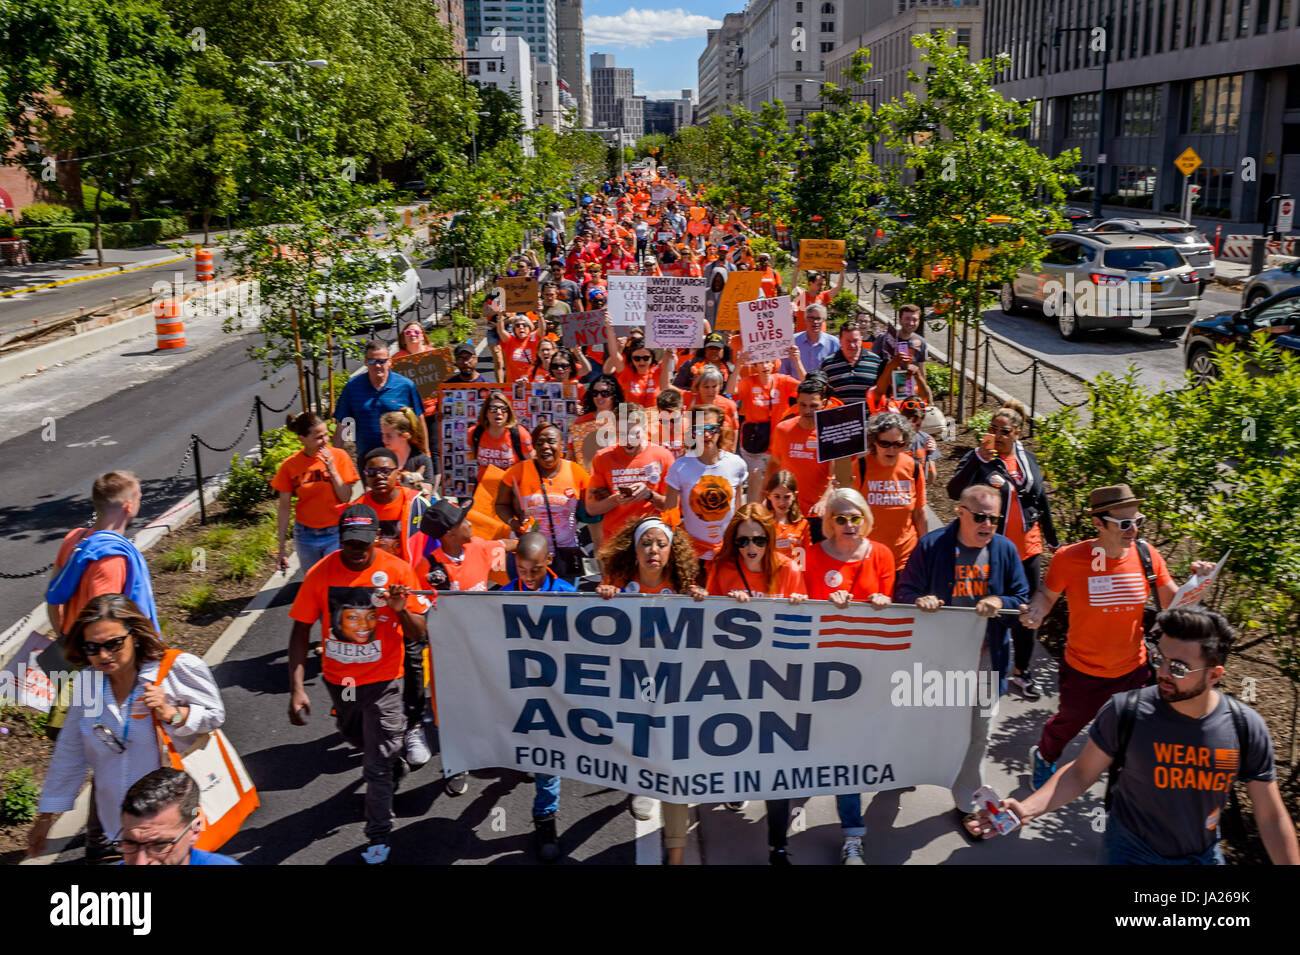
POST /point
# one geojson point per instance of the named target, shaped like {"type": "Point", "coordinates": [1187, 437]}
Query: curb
{"type": "Point", "coordinates": [115, 270]}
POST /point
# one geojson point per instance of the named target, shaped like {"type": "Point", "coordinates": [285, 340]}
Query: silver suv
{"type": "Point", "coordinates": [1270, 282]}
{"type": "Point", "coordinates": [1088, 280]}
{"type": "Point", "coordinates": [1196, 248]}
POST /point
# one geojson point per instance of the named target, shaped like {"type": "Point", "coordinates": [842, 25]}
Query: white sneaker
{"type": "Point", "coordinates": [417, 748]}
{"type": "Point", "coordinates": [851, 854]}
{"type": "Point", "coordinates": [643, 807]}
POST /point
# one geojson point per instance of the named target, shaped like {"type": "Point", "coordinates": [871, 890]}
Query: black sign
{"type": "Point", "coordinates": [841, 432]}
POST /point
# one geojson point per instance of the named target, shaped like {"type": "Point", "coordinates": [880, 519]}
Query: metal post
{"type": "Point", "coordinates": [1033, 394]}
{"type": "Point", "coordinates": [198, 479]}
{"type": "Point", "coordinates": [257, 405]}
{"type": "Point", "coordinates": [875, 294]}
{"type": "Point", "coordinates": [988, 343]}
{"type": "Point", "coordinates": [1101, 117]}
{"type": "Point", "coordinates": [315, 374]}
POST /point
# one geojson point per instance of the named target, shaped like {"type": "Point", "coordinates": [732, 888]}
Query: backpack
{"type": "Point", "coordinates": [1148, 571]}
{"type": "Point", "coordinates": [476, 435]}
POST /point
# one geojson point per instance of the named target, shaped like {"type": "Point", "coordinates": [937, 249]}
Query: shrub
{"type": "Point", "coordinates": [979, 422]}
{"type": "Point", "coordinates": [936, 375]}
{"type": "Point", "coordinates": [843, 307]}
{"type": "Point", "coordinates": [217, 538]}
{"type": "Point", "coordinates": [19, 797]}
{"type": "Point", "coordinates": [197, 599]}
{"type": "Point", "coordinates": [46, 214]}
{"type": "Point", "coordinates": [6, 226]}
{"type": "Point", "coordinates": [47, 244]}
{"type": "Point", "coordinates": [278, 444]}
{"type": "Point", "coordinates": [176, 560]}
{"type": "Point", "coordinates": [110, 207]}
{"type": "Point", "coordinates": [246, 487]}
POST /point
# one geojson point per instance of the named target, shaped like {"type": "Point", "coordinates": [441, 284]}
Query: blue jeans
{"type": "Point", "coordinates": [546, 801]}
{"type": "Point", "coordinates": [850, 809]}
{"type": "Point", "coordinates": [314, 543]}
{"type": "Point", "coordinates": [1121, 847]}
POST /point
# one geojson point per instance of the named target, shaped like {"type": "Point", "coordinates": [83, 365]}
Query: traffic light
{"type": "Point", "coordinates": [1195, 192]}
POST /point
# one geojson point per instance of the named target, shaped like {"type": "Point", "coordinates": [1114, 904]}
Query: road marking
{"type": "Point", "coordinates": [96, 275]}
{"type": "Point", "coordinates": [103, 441]}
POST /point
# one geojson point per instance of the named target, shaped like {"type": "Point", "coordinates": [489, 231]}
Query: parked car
{"type": "Point", "coordinates": [1196, 248]}
{"type": "Point", "coordinates": [389, 297]}
{"type": "Point", "coordinates": [1270, 282]}
{"type": "Point", "coordinates": [1089, 280]}
{"type": "Point", "coordinates": [418, 188]}
{"type": "Point", "coordinates": [1278, 315]}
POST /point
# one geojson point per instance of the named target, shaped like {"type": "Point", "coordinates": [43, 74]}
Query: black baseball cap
{"type": "Point", "coordinates": [442, 517]}
{"type": "Point", "coordinates": [359, 523]}
{"type": "Point", "coordinates": [465, 347]}
{"type": "Point", "coordinates": [714, 338]}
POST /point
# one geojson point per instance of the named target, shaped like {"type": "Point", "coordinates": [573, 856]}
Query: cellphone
{"type": "Point", "coordinates": [1004, 820]}
{"type": "Point", "coordinates": [905, 350]}
{"type": "Point", "coordinates": [987, 442]}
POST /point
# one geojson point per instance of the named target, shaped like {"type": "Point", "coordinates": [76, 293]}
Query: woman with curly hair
{"type": "Point", "coordinates": [649, 557]}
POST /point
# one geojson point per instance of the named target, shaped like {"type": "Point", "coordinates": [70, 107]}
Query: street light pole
{"type": "Point", "coordinates": [1106, 30]}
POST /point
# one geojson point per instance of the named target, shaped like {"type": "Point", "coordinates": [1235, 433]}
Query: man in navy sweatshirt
{"type": "Point", "coordinates": [969, 564]}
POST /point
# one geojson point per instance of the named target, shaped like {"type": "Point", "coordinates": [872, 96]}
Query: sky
{"type": "Point", "coordinates": [661, 43]}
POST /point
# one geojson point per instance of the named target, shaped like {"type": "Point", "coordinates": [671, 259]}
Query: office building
{"type": "Point", "coordinates": [510, 70]}
{"type": "Point", "coordinates": [719, 80]}
{"type": "Point", "coordinates": [571, 54]}
{"type": "Point", "coordinates": [783, 52]}
{"type": "Point", "coordinates": [533, 21]}
{"type": "Point", "coordinates": [611, 88]}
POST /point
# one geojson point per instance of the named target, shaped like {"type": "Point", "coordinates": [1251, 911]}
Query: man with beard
{"type": "Point", "coordinates": [1179, 744]}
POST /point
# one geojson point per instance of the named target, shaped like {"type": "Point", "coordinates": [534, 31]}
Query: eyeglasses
{"type": "Point", "coordinates": [108, 646]}
{"type": "Point", "coordinates": [378, 472]}
{"type": "Point", "coordinates": [377, 362]}
{"type": "Point", "coordinates": [890, 444]}
{"type": "Point", "coordinates": [155, 849]}
{"type": "Point", "coordinates": [708, 428]}
{"type": "Point", "coordinates": [978, 517]}
{"type": "Point", "coordinates": [412, 333]}
{"type": "Point", "coordinates": [844, 520]}
{"type": "Point", "coordinates": [1126, 523]}
{"type": "Point", "coordinates": [640, 358]}
{"type": "Point", "coordinates": [1005, 432]}
{"type": "Point", "coordinates": [758, 540]}
{"type": "Point", "coordinates": [560, 365]}
{"type": "Point", "coordinates": [106, 736]}
{"type": "Point", "coordinates": [495, 408]}
{"type": "Point", "coordinates": [1177, 668]}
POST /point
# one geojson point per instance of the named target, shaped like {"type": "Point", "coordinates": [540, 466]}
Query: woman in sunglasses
{"type": "Point", "coordinates": [602, 397]}
{"type": "Point", "coordinates": [634, 365]}
{"type": "Point", "coordinates": [649, 557]}
{"type": "Point", "coordinates": [894, 486]}
{"type": "Point", "coordinates": [108, 729]}
{"type": "Point", "coordinates": [1005, 464]}
{"type": "Point", "coordinates": [497, 438]}
{"type": "Point", "coordinates": [848, 565]}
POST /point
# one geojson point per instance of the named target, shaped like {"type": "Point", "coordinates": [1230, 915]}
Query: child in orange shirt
{"type": "Point", "coordinates": [781, 497]}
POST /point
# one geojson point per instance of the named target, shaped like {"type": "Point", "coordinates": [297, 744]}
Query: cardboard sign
{"type": "Point", "coordinates": [766, 328]}
{"type": "Point", "coordinates": [1191, 592]}
{"type": "Point", "coordinates": [740, 287]}
{"type": "Point", "coordinates": [674, 311]}
{"type": "Point", "coordinates": [821, 254]}
{"type": "Point", "coordinates": [584, 329]}
{"type": "Point", "coordinates": [627, 299]}
{"type": "Point", "coordinates": [841, 432]}
{"type": "Point", "coordinates": [521, 293]}
{"type": "Point", "coordinates": [667, 236]}
{"type": "Point", "coordinates": [697, 226]}
{"type": "Point", "coordinates": [427, 369]}
{"type": "Point", "coordinates": [25, 680]}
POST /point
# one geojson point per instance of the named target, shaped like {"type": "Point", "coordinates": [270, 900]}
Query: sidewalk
{"type": "Point", "coordinates": [27, 278]}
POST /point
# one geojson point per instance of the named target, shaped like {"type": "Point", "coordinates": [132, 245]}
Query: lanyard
{"type": "Point", "coordinates": [126, 707]}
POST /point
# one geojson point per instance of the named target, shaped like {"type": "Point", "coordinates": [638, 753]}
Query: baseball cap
{"type": "Point", "coordinates": [443, 516]}
{"type": "Point", "coordinates": [714, 338]}
{"type": "Point", "coordinates": [464, 347]}
{"type": "Point", "coordinates": [359, 523]}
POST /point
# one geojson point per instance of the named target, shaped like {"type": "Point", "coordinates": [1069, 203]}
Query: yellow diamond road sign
{"type": "Point", "coordinates": [1188, 162]}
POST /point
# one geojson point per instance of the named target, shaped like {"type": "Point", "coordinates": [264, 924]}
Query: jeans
{"type": "Point", "coordinates": [314, 544]}
{"type": "Point", "coordinates": [850, 809]}
{"type": "Point", "coordinates": [413, 685]}
{"type": "Point", "coordinates": [1121, 847]}
{"type": "Point", "coordinates": [546, 799]}
{"type": "Point", "coordinates": [778, 822]}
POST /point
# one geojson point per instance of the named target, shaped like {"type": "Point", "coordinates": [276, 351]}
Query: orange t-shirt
{"type": "Point", "coordinates": [478, 559]}
{"type": "Point", "coordinates": [893, 494]}
{"type": "Point", "coordinates": [1105, 636]}
{"type": "Point", "coordinates": [613, 468]}
{"type": "Point", "coordinates": [794, 539]}
{"type": "Point", "coordinates": [500, 452]}
{"type": "Point", "coordinates": [640, 389]}
{"type": "Point", "coordinates": [559, 502]}
{"type": "Point", "coordinates": [394, 537]}
{"type": "Point", "coordinates": [768, 283]}
{"type": "Point", "coordinates": [795, 450]}
{"type": "Point", "coordinates": [873, 574]}
{"type": "Point", "coordinates": [636, 587]}
{"type": "Point", "coordinates": [305, 477]}
{"type": "Point", "coordinates": [359, 641]}
{"type": "Point", "coordinates": [726, 576]}
{"type": "Point", "coordinates": [800, 309]}
{"type": "Point", "coordinates": [1027, 545]}
{"type": "Point", "coordinates": [731, 414]}
{"type": "Point", "coordinates": [759, 402]}
{"type": "Point", "coordinates": [519, 355]}
{"type": "Point", "coordinates": [106, 576]}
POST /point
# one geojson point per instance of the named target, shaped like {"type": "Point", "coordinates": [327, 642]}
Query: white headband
{"type": "Point", "coordinates": [651, 525]}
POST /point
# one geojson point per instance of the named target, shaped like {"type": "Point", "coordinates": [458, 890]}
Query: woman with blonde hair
{"type": "Point", "coordinates": [649, 557]}
{"type": "Point", "coordinates": [401, 434]}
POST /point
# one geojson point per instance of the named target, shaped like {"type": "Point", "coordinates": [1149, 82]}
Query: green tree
{"type": "Point", "coordinates": [960, 143]}
{"type": "Point", "coordinates": [203, 172]}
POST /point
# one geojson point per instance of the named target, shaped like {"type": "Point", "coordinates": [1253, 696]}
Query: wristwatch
{"type": "Point", "coordinates": [176, 719]}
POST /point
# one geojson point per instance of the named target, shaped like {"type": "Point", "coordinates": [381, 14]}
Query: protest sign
{"type": "Point", "coordinates": [25, 683]}
{"type": "Point", "coordinates": [521, 293]}
{"type": "Point", "coordinates": [627, 299]}
{"type": "Point", "coordinates": [766, 329]}
{"type": "Point", "coordinates": [674, 310]}
{"type": "Point", "coordinates": [428, 369]}
{"type": "Point", "coordinates": [713, 700]}
{"type": "Point", "coordinates": [584, 329]}
{"type": "Point", "coordinates": [841, 432]}
{"type": "Point", "coordinates": [667, 235]}
{"type": "Point", "coordinates": [740, 287]}
{"type": "Point", "coordinates": [825, 254]}
{"type": "Point", "coordinates": [1194, 589]}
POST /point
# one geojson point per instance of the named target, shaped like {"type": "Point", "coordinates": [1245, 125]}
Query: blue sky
{"type": "Point", "coordinates": [661, 43]}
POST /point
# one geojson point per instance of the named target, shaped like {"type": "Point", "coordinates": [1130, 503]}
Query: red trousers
{"type": "Point", "coordinates": [1082, 696]}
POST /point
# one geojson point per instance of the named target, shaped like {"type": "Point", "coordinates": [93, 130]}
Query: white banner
{"type": "Point", "coordinates": [766, 328]}
{"type": "Point", "coordinates": [626, 303]}
{"type": "Point", "coordinates": [709, 701]}
{"type": "Point", "coordinates": [674, 311]}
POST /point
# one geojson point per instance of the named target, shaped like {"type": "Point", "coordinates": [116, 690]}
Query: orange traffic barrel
{"type": "Point", "coordinates": [167, 323]}
{"type": "Point", "coordinates": [203, 265]}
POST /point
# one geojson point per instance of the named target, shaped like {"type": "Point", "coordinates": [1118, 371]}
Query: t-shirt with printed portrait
{"type": "Point", "coordinates": [361, 637]}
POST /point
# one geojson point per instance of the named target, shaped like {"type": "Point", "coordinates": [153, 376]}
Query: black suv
{"type": "Point", "coordinates": [1279, 316]}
